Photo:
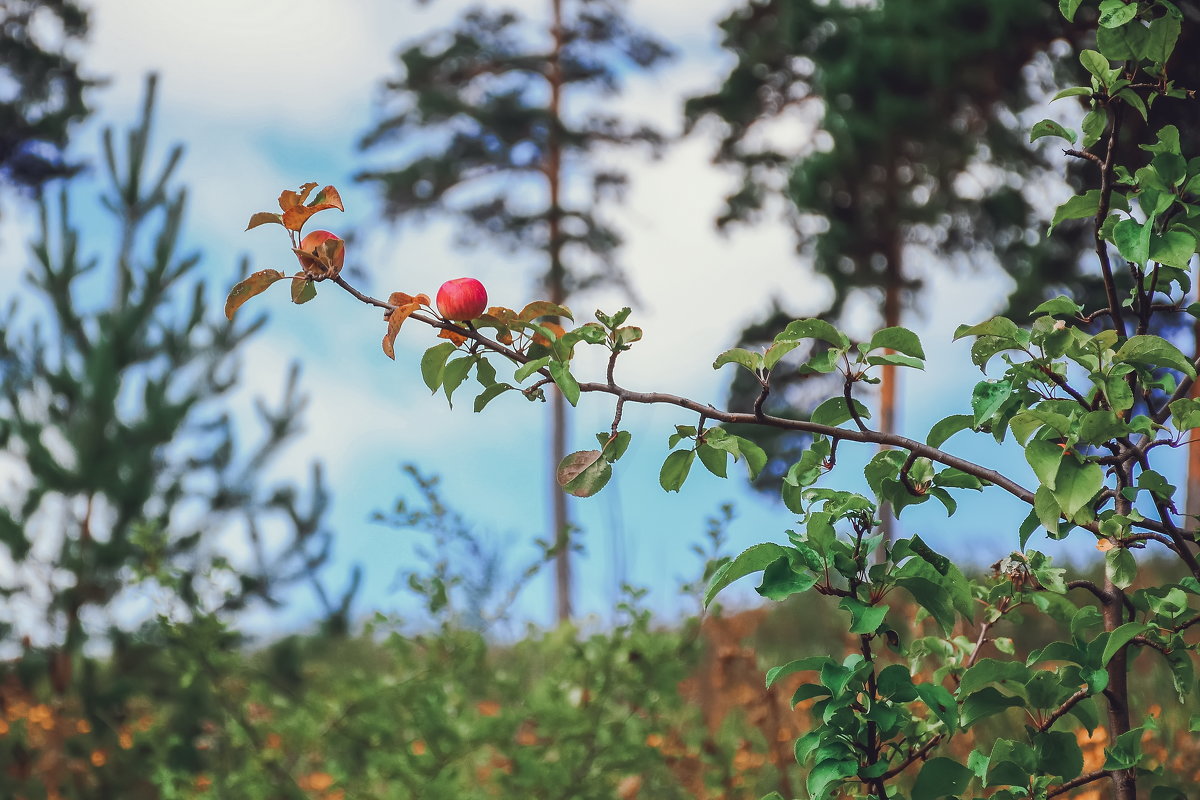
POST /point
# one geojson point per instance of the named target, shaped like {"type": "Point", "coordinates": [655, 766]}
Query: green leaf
{"type": "Point", "coordinates": [810, 664]}
{"type": "Point", "coordinates": [741, 357]}
{"type": "Point", "coordinates": [1081, 206]}
{"type": "Point", "coordinates": [827, 774]}
{"type": "Point", "coordinates": [945, 428]}
{"type": "Point", "coordinates": [834, 412]}
{"type": "Point", "coordinates": [895, 683]}
{"type": "Point", "coordinates": [1096, 64]}
{"type": "Point", "coordinates": [1122, 635]}
{"type": "Point", "coordinates": [863, 618]}
{"type": "Point", "coordinates": [1132, 239]}
{"type": "Point", "coordinates": [1002, 327]}
{"type": "Point", "coordinates": [1011, 764]}
{"type": "Point", "coordinates": [1154, 351]}
{"type": "Point", "coordinates": [1044, 456]}
{"type": "Point", "coordinates": [1126, 751]}
{"type": "Point", "coordinates": [1097, 427]}
{"type": "Point", "coordinates": [1068, 8]}
{"type": "Point", "coordinates": [756, 457]}
{"type": "Point", "coordinates": [751, 560]}
{"type": "Point", "coordinates": [1164, 32]}
{"type": "Point", "coordinates": [1127, 42]}
{"type": "Point", "coordinates": [528, 368]}
{"type": "Point", "coordinates": [992, 670]}
{"type": "Point", "coordinates": [987, 397]}
{"type": "Point", "coordinates": [584, 473]}
{"type": "Point", "coordinates": [1174, 248]}
{"type": "Point", "coordinates": [895, 359]}
{"type": "Point", "coordinates": [941, 777]}
{"type": "Point", "coordinates": [489, 394]}
{"type": "Point", "coordinates": [777, 351]}
{"type": "Point", "coordinates": [986, 702]}
{"type": "Point", "coordinates": [813, 329]}
{"type": "Point", "coordinates": [1115, 13]}
{"type": "Point", "coordinates": [1059, 754]}
{"type": "Point", "coordinates": [902, 340]}
{"type": "Point", "coordinates": [433, 363]}
{"type": "Point", "coordinates": [454, 373]}
{"type": "Point", "coordinates": [1062, 304]}
{"type": "Point", "coordinates": [303, 290]}
{"type": "Point", "coordinates": [1049, 127]}
{"type": "Point", "coordinates": [1121, 566]}
{"type": "Point", "coordinates": [560, 371]}
{"type": "Point", "coordinates": [941, 703]}
{"type": "Point", "coordinates": [1075, 485]}
{"type": "Point", "coordinates": [675, 469]}
{"type": "Point", "coordinates": [1094, 123]}
{"type": "Point", "coordinates": [1074, 91]}
{"type": "Point", "coordinates": [614, 447]}
{"type": "Point", "coordinates": [714, 460]}
{"type": "Point", "coordinates": [781, 581]}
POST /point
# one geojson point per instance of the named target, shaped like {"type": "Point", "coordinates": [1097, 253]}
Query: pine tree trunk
{"type": "Point", "coordinates": [556, 286]}
{"type": "Point", "coordinates": [1193, 450]}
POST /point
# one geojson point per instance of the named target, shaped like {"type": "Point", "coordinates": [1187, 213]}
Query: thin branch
{"type": "Point", "coordinates": [1067, 705]}
{"type": "Point", "coordinates": [862, 435]}
{"type": "Point", "coordinates": [1082, 780]}
{"type": "Point", "coordinates": [850, 407]}
{"type": "Point", "coordinates": [913, 757]}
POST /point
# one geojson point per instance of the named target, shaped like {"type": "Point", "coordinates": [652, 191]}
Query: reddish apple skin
{"type": "Point", "coordinates": [462, 299]}
{"type": "Point", "coordinates": [312, 241]}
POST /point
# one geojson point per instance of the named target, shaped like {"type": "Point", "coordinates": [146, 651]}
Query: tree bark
{"type": "Point", "coordinates": [556, 287]}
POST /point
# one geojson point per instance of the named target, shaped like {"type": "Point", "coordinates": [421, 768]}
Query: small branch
{"type": "Point", "coordinates": [1101, 595]}
{"type": "Point", "coordinates": [850, 408]}
{"type": "Point", "coordinates": [905, 479]}
{"type": "Point", "coordinates": [1090, 156]}
{"type": "Point", "coordinates": [912, 758]}
{"type": "Point", "coordinates": [1082, 780]}
{"type": "Point", "coordinates": [765, 381]}
{"type": "Point", "coordinates": [1144, 642]}
{"type": "Point", "coordinates": [1067, 705]}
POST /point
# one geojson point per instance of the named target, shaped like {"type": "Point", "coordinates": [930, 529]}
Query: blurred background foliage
{"type": "Point", "coordinates": [140, 529]}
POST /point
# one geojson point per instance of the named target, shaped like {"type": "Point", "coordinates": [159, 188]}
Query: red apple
{"type": "Point", "coordinates": [314, 242]}
{"type": "Point", "coordinates": [462, 299]}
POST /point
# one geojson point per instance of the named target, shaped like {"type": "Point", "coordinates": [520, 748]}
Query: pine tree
{"type": "Point", "coordinates": [124, 473]}
{"type": "Point", "coordinates": [481, 134]}
{"type": "Point", "coordinates": [44, 92]}
{"type": "Point", "coordinates": [911, 104]}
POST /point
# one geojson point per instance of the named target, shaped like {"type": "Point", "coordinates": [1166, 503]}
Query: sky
{"type": "Point", "coordinates": [268, 95]}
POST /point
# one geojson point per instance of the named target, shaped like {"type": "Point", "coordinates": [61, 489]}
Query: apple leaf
{"type": "Point", "coordinates": [584, 473]}
{"type": "Point", "coordinates": [544, 308]}
{"type": "Point", "coordinates": [405, 306]}
{"type": "Point", "coordinates": [264, 218]}
{"type": "Point", "coordinates": [255, 284]}
{"type": "Point", "coordinates": [303, 290]}
{"type": "Point", "coordinates": [289, 199]}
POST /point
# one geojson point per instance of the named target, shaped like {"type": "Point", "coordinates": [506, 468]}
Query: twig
{"type": "Point", "coordinates": [1082, 780]}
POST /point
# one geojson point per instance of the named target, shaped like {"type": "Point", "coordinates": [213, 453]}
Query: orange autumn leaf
{"type": "Point", "coordinates": [255, 284]}
{"type": "Point", "coordinates": [405, 305]}
{"type": "Point", "coordinates": [453, 336]}
{"type": "Point", "coordinates": [289, 199]}
{"type": "Point", "coordinates": [488, 708]}
{"type": "Point", "coordinates": [295, 213]}
{"type": "Point", "coordinates": [264, 218]}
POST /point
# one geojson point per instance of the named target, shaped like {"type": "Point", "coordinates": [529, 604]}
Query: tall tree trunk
{"type": "Point", "coordinates": [893, 281]}
{"type": "Point", "coordinates": [556, 287]}
{"type": "Point", "coordinates": [1193, 451]}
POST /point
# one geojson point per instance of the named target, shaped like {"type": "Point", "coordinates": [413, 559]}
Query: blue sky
{"type": "Point", "coordinates": [269, 94]}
